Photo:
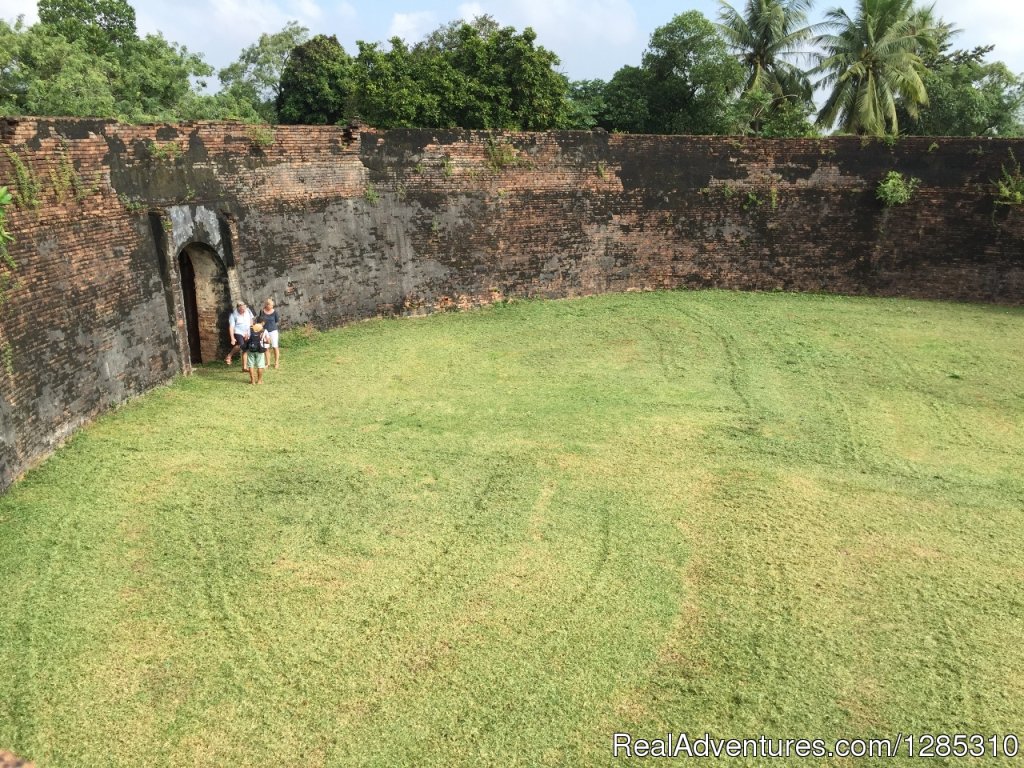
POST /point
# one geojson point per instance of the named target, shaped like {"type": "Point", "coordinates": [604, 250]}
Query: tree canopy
{"type": "Point", "coordinates": [686, 83]}
{"type": "Point", "coordinates": [255, 77]}
{"type": "Point", "coordinates": [885, 68]}
{"type": "Point", "coordinates": [872, 61]}
{"type": "Point", "coordinates": [316, 85]}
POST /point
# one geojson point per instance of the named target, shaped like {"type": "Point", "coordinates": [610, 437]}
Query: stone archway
{"type": "Point", "coordinates": [204, 290]}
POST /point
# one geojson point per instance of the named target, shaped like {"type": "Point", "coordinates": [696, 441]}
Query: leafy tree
{"type": "Point", "coordinates": [968, 97]}
{"type": "Point", "coordinates": [586, 104]}
{"type": "Point", "coordinates": [389, 87]}
{"type": "Point", "coordinates": [255, 77]}
{"type": "Point", "coordinates": [475, 75]}
{"type": "Point", "coordinates": [103, 26]}
{"type": "Point", "coordinates": [627, 106]}
{"type": "Point", "coordinates": [501, 80]}
{"type": "Point", "coordinates": [689, 80]}
{"type": "Point", "coordinates": [316, 85]}
{"type": "Point", "coordinates": [762, 113]}
{"type": "Point", "coordinates": [156, 77]}
{"type": "Point", "coordinates": [872, 61]}
{"type": "Point", "coordinates": [446, 37]}
{"type": "Point", "coordinates": [764, 37]}
{"type": "Point", "coordinates": [42, 73]}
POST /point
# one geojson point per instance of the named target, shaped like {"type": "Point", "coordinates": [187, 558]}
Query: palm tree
{"type": "Point", "coordinates": [764, 36]}
{"type": "Point", "coordinates": [872, 62]}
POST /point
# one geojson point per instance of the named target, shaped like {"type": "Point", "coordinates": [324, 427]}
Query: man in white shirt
{"type": "Point", "coordinates": [238, 331]}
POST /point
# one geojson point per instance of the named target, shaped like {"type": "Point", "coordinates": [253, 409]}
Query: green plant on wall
{"type": "Point", "coordinates": [752, 200]}
{"type": "Point", "coordinates": [896, 189]}
{"type": "Point", "coordinates": [164, 152]}
{"type": "Point", "coordinates": [1010, 188]}
{"type": "Point", "coordinates": [371, 195]}
{"type": "Point", "coordinates": [7, 263]}
{"type": "Point", "coordinates": [500, 155]}
{"type": "Point", "coordinates": [261, 136]}
{"type": "Point", "coordinates": [26, 185]}
{"type": "Point", "coordinates": [6, 199]}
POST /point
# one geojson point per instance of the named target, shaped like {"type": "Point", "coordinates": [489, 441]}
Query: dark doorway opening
{"type": "Point", "coordinates": [204, 289]}
{"type": "Point", "coordinates": [188, 292]}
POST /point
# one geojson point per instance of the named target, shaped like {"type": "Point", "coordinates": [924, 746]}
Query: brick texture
{"type": "Point", "coordinates": [339, 224]}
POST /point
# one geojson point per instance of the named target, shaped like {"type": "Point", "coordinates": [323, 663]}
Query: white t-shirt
{"type": "Point", "coordinates": [240, 323]}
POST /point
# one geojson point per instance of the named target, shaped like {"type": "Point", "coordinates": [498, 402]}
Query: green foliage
{"type": "Point", "coordinates": [585, 105]}
{"type": "Point", "coordinates": [104, 26]}
{"type": "Point", "coordinates": [371, 195]}
{"type": "Point", "coordinates": [896, 189]}
{"type": "Point", "coordinates": [65, 178]}
{"type": "Point", "coordinates": [685, 84]}
{"type": "Point", "coordinates": [765, 37]}
{"type": "Point", "coordinates": [968, 97]}
{"type": "Point", "coordinates": [134, 80]}
{"type": "Point", "coordinates": [760, 113]}
{"type": "Point", "coordinates": [872, 61]}
{"type": "Point", "coordinates": [7, 263]}
{"type": "Point", "coordinates": [479, 76]}
{"type": "Point", "coordinates": [254, 79]}
{"type": "Point", "coordinates": [131, 205]}
{"type": "Point", "coordinates": [166, 152]}
{"type": "Point", "coordinates": [627, 108]}
{"type": "Point", "coordinates": [1009, 189]}
{"type": "Point", "coordinates": [316, 84]}
{"type": "Point", "coordinates": [6, 199]}
{"type": "Point", "coordinates": [501, 155]}
{"type": "Point", "coordinates": [261, 136]}
{"type": "Point", "coordinates": [27, 188]}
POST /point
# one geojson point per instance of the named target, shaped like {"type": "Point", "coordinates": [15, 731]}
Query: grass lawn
{"type": "Point", "coordinates": [499, 537]}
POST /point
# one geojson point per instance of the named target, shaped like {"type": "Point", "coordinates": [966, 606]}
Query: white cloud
{"type": "Point", "coordinates": [593, 38]}
{"type": "Point", "coordinates": [470, 11]}
{"type": "Point", "coordinates": [15, 8]}
{"type": "Point", "coordinates": [988, 22]}
{"type": "Point", "coordinates": [412, 27]}
{"type": "Point", "coordinates": [306, 9]}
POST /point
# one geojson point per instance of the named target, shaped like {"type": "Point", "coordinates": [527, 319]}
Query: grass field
{"type": "Point", "coordinates": [499, 537]}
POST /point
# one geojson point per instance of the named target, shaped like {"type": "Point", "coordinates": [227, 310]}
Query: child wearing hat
{"type": "Point", "coordinates": [255, 352]}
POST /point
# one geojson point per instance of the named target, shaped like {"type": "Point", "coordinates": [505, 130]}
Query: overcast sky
{"type": "Point", "coordinates": [593, 38]}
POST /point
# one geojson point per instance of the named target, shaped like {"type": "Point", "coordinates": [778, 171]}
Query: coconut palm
{"type": "Point", "coordinates": [764, 36]}
{"type": "Point", "coordinates": [872, 62]}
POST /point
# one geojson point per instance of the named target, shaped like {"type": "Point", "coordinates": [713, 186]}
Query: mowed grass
{"type": "Point", "coordinates": [497, 538]}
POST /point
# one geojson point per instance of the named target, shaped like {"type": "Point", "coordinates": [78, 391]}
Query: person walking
{"type": "Point", "coordinates": [255, 352]}
{"type": "Point", "coordinates": [270, 319]}
{"type": "Point", "coordinates": [239, 325]}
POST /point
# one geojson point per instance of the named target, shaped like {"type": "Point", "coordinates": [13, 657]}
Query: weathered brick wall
{"type": "Point", "coordinates": [338, 225]}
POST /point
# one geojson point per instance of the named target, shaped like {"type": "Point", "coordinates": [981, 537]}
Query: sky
{"type": "Point", "coordinates": [593, 38]}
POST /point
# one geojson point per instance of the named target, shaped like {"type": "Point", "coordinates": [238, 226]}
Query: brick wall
{"type": "Point", "coordinates": [339, 225]}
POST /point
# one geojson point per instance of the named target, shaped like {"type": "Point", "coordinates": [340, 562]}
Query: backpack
{"type": "Point", "coordinates": [255, 343]}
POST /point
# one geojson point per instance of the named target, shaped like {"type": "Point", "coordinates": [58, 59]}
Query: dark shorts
{"type": "Point", "coordinates": [240, 341]}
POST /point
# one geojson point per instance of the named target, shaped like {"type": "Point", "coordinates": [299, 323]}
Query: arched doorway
{"type": "Point", "coordinates": [204, 290]}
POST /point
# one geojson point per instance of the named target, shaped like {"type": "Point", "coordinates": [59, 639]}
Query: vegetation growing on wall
{"type": "Point", "coordinates": [896, 189]}
{"type": "Point", "coordinates": [6, 239]}
{"type": "Point", "coordinates": [1010, 186]}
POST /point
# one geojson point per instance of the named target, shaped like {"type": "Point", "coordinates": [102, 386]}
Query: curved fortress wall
{"type": "Point", "coordinates": [133, 241]}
